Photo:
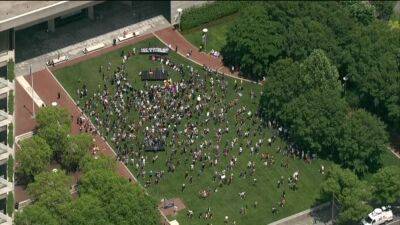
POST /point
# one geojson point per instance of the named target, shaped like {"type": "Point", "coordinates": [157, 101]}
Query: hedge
{"type": "Point", "coordinates": [10, 204]}
{"type": "Point", "coordinates": [10, 136]}
{"type": "Point", "coordinates": [10, 168]}
{"type": "Point", "coordinates": [196, 16]}
{"type": "Point", "coordinates": [10, 71]}
{"type": "Point", "coordinates": [11, 102]}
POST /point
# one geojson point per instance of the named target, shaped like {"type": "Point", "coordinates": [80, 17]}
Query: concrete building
{"type": "Point", "coordinates": [25, 24]}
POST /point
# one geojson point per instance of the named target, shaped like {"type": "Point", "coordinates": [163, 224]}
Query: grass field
{"type": "Point", "coordinates": [226, 201]}
{"type": "Point", "coordinates": [216, 33]}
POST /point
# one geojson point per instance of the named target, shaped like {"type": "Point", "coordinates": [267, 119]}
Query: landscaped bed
{"type": "Point", "coordinates": [224, 199]}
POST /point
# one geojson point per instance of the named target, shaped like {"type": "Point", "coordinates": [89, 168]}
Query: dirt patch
{"type": "Point", "coordinates": [171, 206]}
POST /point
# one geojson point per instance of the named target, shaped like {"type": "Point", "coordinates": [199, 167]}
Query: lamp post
{"type": "Point", "coordinates": [179, 17]}
{"type": "Point", "coordinates": [204, 37]}
{"type": "Point", "coordinates": [345, 79]}
{"type": "Point", "coordinates": [33, 100]}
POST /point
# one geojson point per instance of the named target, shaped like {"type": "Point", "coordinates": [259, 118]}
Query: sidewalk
{"type": "Point", "coordinates": [169, 36]}
{"type": "Point", "coordinates": [320, 215]}
{"type": "Point", "coordinates": [75, 50]}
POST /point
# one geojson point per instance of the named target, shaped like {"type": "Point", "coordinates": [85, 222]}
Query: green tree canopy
{"type": "Point", "coordinates": [99, 162]}
{"type": "Point", "coordinates": [287, 80]}
{"type": "Point", "coordinates": [314, 121]}
{"type": "Point", "coordinates": [351, 193]}
{"type": "Point", "coordinates": [35, 215]}
{"type": "Point", "coordinates": [386, 183]}
{"type": "Point", "coordinates": [243, 46]}
{"type": "Point", "coordinates": [126, 203]}
{"type": "Point", "coordinates": [51, 190]}
{"type": "Point", "coordinates": [33, 157]}
{"type": "Point", "coordinates": [54, 125]}
{"type": "Point", "coordinates": [280, 87]}
{"type": "Point", "coordinates": [53, 115]}
{"type": "Point", "coordinates": [317, 72]}
{"type": "Point", "coordinates": [363, 12]}
{"type": "Point", "coordinates": [78, 147]}
{"type": "Point", "coordinates": [86, 210]}
{"type": "Point", "coordinates": [368, 55]}
{"type": "Point", "coordinates": [374, 70]}
{"type": "Point", "coordinates": [362, 142]}
{"type": "Point", "coordinates": [384, 8]}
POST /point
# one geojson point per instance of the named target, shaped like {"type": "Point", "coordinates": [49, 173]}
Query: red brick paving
{"type": "Point", "coordinates": [173, 37]}
{"type": "Point", "coordinates": [23, 111]}
{"type": "Point", "coordinates": [47, 88]}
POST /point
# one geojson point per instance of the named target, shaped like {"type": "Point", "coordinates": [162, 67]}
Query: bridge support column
{"type": "Point", "coordinates": [51, 25]}
{"type": "Point", "coordinates": [91, 12]}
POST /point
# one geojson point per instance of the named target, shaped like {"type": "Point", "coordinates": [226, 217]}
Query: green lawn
{"type": "Point", "coordinates": [226, 201]}
{"type": "Point", "coordinates": [216, 33]}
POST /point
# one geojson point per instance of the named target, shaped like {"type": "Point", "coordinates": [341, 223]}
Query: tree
{"type": "Point", "coordinates": [78, 148]}
{"type": "Point", "coordinates": [386, 185]}
{"type": "Point", "coordinates": [363, 12]}
{"type": "Point", "coordinates": [100, 162]}
{"type": "Point", "coordinates": [351, 193]}
{"type": "Point", "coordinates": [35, 215]}
{"type": "Point", "coordinates": [280, 87]}
{"type": "Point", "coordinates": [287, 80]}
{"type": "Point", "coordinates": [314, 121]}
{"type": "Point", "coordinates": [125, 203]}
{"type": "Point", "coordinates": [33, 157]}
{"type": "Point", "coordinates": [254, 43]}
{"type": "Point", "coordinates": [384, 8]}
{"type": "Point", "coordinates": [86, 210]}
{"type": "Point", "coordinates": [304, 34]}
{"type": "Point", "coordinates": [53, 115]}
{"type": "Point", "coordinates": [51, 190]}
{"type": "Point", "coordinates": [362, 143]}
{"type": "Point", "coordinates": [374, 70]}
{"type": "Point", "coordinates": [54, 125]}
{"type": "Point", "coordinates": [368, 55]}
{"type": "Point", "coordinates": [57, 138]}
{"type": "Point", "coordinates": [317, 72]}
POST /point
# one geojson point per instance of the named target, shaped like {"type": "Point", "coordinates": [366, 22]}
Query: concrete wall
{"type": "Point", "coordinates": [184, 5]}
{"type": "Point", "coordinates": [44, 14]}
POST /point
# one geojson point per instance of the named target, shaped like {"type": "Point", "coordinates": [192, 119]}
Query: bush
{"type": "Point", "coordinates": [10, 71]}
{"type": "Point", "coordinates": [10, 204]}
{"type": "Point", "coordinates": [11, 102]}
{"type": "Point", "coordinates": [10, 168]}
{"type": "Point", "coordinates": [197, 16]}
{"type": "Point", "coordinates": [10, 136]}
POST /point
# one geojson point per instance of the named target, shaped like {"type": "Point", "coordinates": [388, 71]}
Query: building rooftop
{"type": "Point", "coordinates": [14, 14]}
{"type": "Point", "coordinates": [10, 9]}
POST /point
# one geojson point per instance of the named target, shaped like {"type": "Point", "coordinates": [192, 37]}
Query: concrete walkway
{"type": "Point", "coordinates": [76, 50]}
{"type": "Point", "coordinates": [29, 90]}
{"type": "Point", "coordinates": [319, 215]}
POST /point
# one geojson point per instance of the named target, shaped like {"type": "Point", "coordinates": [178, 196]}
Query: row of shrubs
{"type": "Point", "coordinates": [11, 102]}
{"type": "Point", "coordinates": [10, 71]}
{"type": "Point", "coordinates": [196, 16]}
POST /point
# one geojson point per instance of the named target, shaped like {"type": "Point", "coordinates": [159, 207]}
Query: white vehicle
{"type": "Point", "coordinates": [378, 216]}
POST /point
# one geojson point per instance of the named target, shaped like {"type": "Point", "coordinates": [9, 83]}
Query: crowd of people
{"type": "Point", "coordinates": [204, 122]}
